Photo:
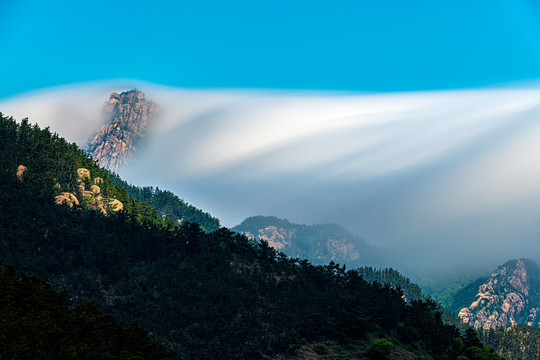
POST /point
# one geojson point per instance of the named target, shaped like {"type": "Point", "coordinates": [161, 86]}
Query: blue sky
{"type": "Point", "coordinates": [406, 166]}
{"type": "Point", "coordinates": [378, 46]}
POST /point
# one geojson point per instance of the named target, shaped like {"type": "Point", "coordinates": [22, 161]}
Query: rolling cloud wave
{"type": "Point", "coordinates": [450, 176]}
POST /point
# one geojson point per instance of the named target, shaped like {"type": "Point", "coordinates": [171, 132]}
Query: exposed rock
{"type": "Point", "coordinates": [20, 172]}
{"type": "Point", "coordinates": [127, 116]}
{"type": "Point", "coordinates": [507, 298]}
{"type": "Point", "coordinates": [101, 209]}
{"type": "Point", "coordinates": [319, 243]}
{"type": "Point", "coordinates": [342, 248]}
{"type": "Point", "coordinates": [95, 189]}
{"type": "Point", "coordinates": [87, 193]}
{"type": "Point", "coordinates": [83, 173]}
{"type": "Point", "coordinates": [533, 317]}
{"type": "Point", "coordinates": [91, 199]}
{"type": "Point", "coordinates": [465, 315]}
{"type": "Point", "coordinates": [67, 198]}
{"type": "Point", "coordinates": [113, 99]}
{"type": "Point", "coordinates": [276, 238]}
{"type": "Point", "coordinates": [115, 205]}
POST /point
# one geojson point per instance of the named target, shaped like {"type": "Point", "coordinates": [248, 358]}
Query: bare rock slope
{"type": "Point", "coordinates": [320, 243]}
{"type": "Point", "coordinates": [508, 297]}
{"type": "Point", "coordinates": [127, 117]}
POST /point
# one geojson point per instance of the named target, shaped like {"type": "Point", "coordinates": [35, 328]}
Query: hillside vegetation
{"type": "Point", "coordinates": [169, 205]}
{"type": "Point", "coordinates": [517, 342]}
{"type": "Point", "coordinates": [394, 278]}
{"type": "Point", "coordinates": [40, 323]}
{"type": "Point", "coordinates": [319, 243]}
{"type": "Point", "coordinates": [203, 295]}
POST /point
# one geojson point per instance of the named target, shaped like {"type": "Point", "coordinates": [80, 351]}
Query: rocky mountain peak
{"type": "Point", "coordinates": [320, 243]}
{"type": "Point", "coordinates": [127, 117]}
{"type": "Point", "coordinates": [508, 297]}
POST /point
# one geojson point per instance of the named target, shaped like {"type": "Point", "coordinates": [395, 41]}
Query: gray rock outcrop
{"type": "Point", "coordinates": [127, 118]}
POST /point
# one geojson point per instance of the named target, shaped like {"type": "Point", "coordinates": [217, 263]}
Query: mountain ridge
{"type": "Point", "coordinates": [508, 297]}
{"type": "Point", "coordinates": [127, 117]}
{"type": "Point", "coordinates": [320, 243]}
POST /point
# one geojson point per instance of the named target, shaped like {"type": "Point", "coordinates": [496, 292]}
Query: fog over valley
{"type": "Point", "coordinates": [435, 179]}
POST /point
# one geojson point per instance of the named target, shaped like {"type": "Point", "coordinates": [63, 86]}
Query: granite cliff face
{"type": "Point", "coordinates": [320, 243]}
{"type": "Point", "coordinates": [127, 117]}
{"type": "Point", "coordinates": [508, 297]}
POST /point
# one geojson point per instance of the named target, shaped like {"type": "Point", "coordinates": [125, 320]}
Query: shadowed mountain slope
{"type": "Point", "coordinates": [204, 295]}
{"type": "Point", "coordinates": [319, 243]}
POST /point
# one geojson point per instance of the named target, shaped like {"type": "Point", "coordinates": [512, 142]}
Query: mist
{"type": "Point", "coordinates": [439, 180]}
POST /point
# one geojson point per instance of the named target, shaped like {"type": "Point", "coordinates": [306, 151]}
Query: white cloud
{"type": "Point", "coordinates": [454, 168]}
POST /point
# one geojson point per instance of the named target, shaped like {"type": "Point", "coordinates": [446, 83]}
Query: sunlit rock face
{"type": "Point", "coordinates": [508, 297]}
{"type": "Point", "coordinates": [127, 118]}
{"type": "Point", "coordinates": [320, 243]}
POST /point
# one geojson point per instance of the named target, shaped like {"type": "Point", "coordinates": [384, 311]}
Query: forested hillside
{"type": "Point", "coordinates": [40, 323]}
{"type": "Point", "coordinates": [169, 205]}
{"type": "Point", "coordinates": [319, 243]}
{"type": "Point", "coordinates": [518, 342]}
{"type": "Point", "coordinates": [394, 278]}
{"type": "Point", "coordinates": [204, 295]}
{"type": "Point", "coordinates": [466, 295]}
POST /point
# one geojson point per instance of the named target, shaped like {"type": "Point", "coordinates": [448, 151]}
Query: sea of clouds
{"type": "Point", "coordinates": [437, 179]}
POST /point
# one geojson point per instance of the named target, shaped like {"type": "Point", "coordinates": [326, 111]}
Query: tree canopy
{"type": "Point", "coordinates": [205, 295]}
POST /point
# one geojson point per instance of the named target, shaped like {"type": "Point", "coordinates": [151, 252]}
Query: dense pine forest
{"type": "Point", "coordinates": [394, 278]}
{"type": "Point", "coordinates": [40, 323]}
{"type": "Point", "coordinates": [204, 295]}
{"type": "Point", "coordinates": [169, 205]}
{"type": "Point", "coordinates": [319, 243]}
{"type": "Point", "coordinates": [517, 342]}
